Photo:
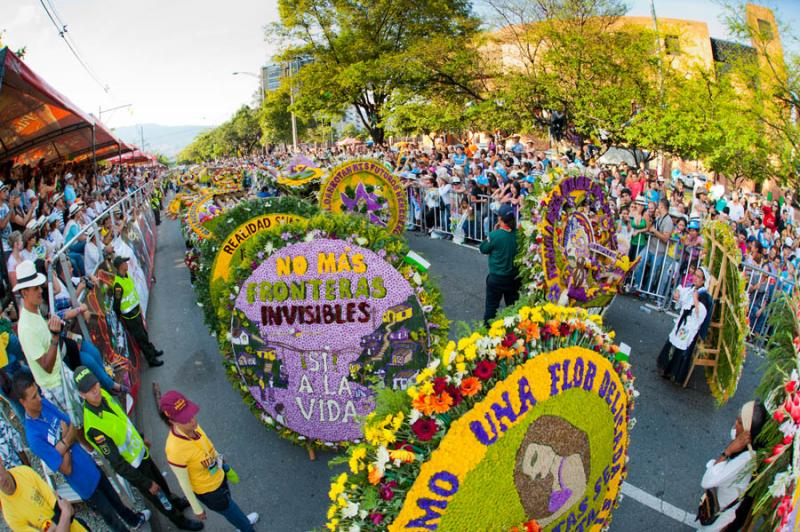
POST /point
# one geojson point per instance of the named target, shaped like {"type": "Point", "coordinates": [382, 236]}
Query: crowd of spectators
{"type": "Point", "coordinates": [47, 212]}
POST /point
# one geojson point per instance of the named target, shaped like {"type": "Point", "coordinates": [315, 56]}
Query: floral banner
{"type": "Point", "coordinates": [570, 254]}
{"type": "Point", "coordinates": [366, 187]}
{"type": "Point", "coordinates": [315, 324]}
{"type": "Point", "coordinates": [525, 427]}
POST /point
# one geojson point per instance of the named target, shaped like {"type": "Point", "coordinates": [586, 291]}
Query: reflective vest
{"type": "Point", "coordinates": [130, 299]}
{"type": "Point", "coordinates": [118, 427]}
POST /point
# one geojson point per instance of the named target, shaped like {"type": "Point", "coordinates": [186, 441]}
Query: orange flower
{"type": "Point", "coordinates": [553, 327]}
{"type": "Point", "coordinates": [402, 455]}
{"type": "Point", "coordinates": [531, 330]}
{"type": "Point", "coordinates": [504, 352]}
{"type": "Point", "coordinates": [374, 475]}
{"type": "Point", "coordinates": [423, 403]}
{"type": "Point", "coordinates": [441, 403]}
{"type": "Point", "coordinates": [470, 386]}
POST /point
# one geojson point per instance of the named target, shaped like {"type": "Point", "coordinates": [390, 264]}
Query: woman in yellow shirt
{"type": "Point", "coordinates": [30, 505]}
{"type": "Point", "coordinates": [198, 466]}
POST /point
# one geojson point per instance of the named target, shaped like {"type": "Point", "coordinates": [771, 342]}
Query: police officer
{"type": "Point", "coordinates": [126, 305]}
{"type": "Point", "coordinates": [155, 202]}
{"type": "Point", "coordinates": [109, 430]}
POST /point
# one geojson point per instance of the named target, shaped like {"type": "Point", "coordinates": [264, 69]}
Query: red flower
{"type": "Point", "coordinates": [439, 385]}
{"type": "Point", "coordinates": [787, 439]}
{"type": "Point", "coordinates": [376, 519]}
{"type": "Point", "coordinates": [509, 340]}
{"type": "Point", "coordinates": [404, 445]}
{"type": "Point", "coordinates": [385, 490]}
{"type": "Point", "coordinates": [790, 386]}
{"type": "Point", "coordinates": [484, 369]}
{"type": "Point", "coordinates": [779, 415]}
{"type": "Point", "coordinates": [563, 329]}
{"type": "Point", "coordinates": [424, 428]}
{"type": "Point", "coordinates": [455, 393]}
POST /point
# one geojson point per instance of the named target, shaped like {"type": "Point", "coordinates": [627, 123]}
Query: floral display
{"type": "Point", "coordinates": [775, 487]}
{"type": "Point", "coordinates": [569, 251]}
{"type": "Point", "coordinates": [299, 171]}
{"type": "Point", "coordinates": [286, 307]}
{"type": "Point", "coordinates": [523, 427]}
{"type": "Point", "coordinates": [366, 187]}
{"type": "Point", "coordinates": [722, 257]}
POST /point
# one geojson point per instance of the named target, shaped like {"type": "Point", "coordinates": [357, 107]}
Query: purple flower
{"type": "Point", "coordinates": [286, 235]}
{"type": "Point", "coordinates": [260, 255]}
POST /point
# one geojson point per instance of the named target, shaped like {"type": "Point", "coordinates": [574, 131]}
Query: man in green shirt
{"type": "Point", "coordinates": [501, 246]}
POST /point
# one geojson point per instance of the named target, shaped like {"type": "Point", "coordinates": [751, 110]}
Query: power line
{"type": "Point", "coordinates": [62, 32]}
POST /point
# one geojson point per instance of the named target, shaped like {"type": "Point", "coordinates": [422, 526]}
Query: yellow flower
{"type": "Point", "coordinates": [397, 421]}
{"type": "Point", "coordinates": [402, 455]}
{"type": "Point", "coordinates": [497, 329]}
{"type": "Point", "coordinates": [342, 502]}
{"type": "Point", "coordinates": [332, 511]}
{"type": "Point", "coordinates": [427, 388]}
{"type": "Point", "coordinates": [332, 524]}
{"type": "Point", "coordinates": [412, 392]}
{"type": "Point", "coordinates": [356, 461]}
{"type": "Point", "coordinates": [471, 352]}
{"type": "Point", "coordinates": [461, 367]}
{"type": "Point", "coordinates": [424, 375]}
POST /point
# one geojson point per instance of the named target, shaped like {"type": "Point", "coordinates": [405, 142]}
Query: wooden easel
{"type": "Point", "coordinates": [708, 354]}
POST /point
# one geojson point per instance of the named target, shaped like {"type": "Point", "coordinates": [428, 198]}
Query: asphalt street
{"type": "Point", "coordinates": [677, 430]}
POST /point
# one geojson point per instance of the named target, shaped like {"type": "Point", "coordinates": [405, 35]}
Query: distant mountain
{"type": "Point", "coordinates": [168, 140]}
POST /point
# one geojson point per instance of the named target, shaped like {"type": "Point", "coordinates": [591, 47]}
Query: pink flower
{"type": "Point", "coordinates": [385, 490]}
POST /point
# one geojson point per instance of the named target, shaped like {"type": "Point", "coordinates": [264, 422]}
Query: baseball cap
{"type": "Point", "coordinates": [506, 212]}
{"type": "Point", "coordinates": [694, 223]}
{"type": "Point", "coordinates": [177, 407]}
{"type": "Point", "coordinates": [119, 260]}
{"type": "Point", "coordinates": [84, 379]}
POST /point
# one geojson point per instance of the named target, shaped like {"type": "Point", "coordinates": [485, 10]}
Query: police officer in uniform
{"type": "Point", "coordinates": [126, 305]}
{"type": "Point", "coordinates": [155, 202]}
{"type": "Point", "coordinates": [109, 430]}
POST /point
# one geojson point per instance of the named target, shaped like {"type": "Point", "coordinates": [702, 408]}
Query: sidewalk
{"type": "Point", "coordinates": [277, 479]}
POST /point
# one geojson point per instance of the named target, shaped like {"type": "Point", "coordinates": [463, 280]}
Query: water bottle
{"type": "Point", "coordinates": [164, 501]}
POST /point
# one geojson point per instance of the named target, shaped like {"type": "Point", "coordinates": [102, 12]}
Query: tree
{"type": "Point", "coordinates": [578, 70]}
{"type": "Point", "coordinates": [362, 51]}
{"type": "Point", "coordinates": [236, 137]}
{"type": "Point", "coordinates": [275, 117]}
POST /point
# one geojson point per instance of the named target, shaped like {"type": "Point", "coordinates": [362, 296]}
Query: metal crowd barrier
{"type": "Point", "coordinates": [763, 287]}
{"type": "Point", "coordinates": [461, 217]}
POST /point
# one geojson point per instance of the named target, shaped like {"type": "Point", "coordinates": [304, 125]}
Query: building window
{"type": "Point", "coordinates": [765, 29]}
{"type": "Point", "coordinates": [672, 45]}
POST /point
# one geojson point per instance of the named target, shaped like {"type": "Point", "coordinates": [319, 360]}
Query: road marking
{"type": "Point", "coordinates": [662, 507]}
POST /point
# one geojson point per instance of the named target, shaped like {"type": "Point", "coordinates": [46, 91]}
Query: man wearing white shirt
{"type": "Point", "coordinates": [736, 209]}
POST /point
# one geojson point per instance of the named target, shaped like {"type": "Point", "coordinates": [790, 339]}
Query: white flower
{"type": "Point", "coordinates": [355, 527]}
{"type": "Point", "coordinates": [788, 428]}
{"type": "Point", "coordinates": [236, 288]}
{"type": "Point", "coordinates": [781, 482]}
{"type": "Point", "coordinates": [509, 321]}
{"type": "Point", "coordinates": [417, 278]}
{"type": "Point", "coordinates": [361, 241]}
{"type": "Point", "coordinates": [351, 510]}
{"type": "Point", "coordinates": [268, 420]}
{"type": "Point", "coordinates": [268, 249]}
{"type": "Point", "coordinates": [309, 237]}
{"type": "Point", "coordinates": [413, 416]}
{"type": "Point", "coordinates": [228, 336]}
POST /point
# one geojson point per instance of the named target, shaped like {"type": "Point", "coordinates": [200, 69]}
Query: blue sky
{"type": "Point", "coordinates": [173, 59]}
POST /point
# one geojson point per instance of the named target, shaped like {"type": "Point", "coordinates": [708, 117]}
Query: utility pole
{"type": "Point", "coordinates": [141, 137]}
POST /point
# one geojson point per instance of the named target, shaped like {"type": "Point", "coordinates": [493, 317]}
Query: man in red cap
{"type": "Point", "coordinates": [201, 472]}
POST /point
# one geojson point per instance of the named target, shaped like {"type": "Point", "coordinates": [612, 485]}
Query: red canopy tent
{"type": "Point", "coordinates": [37, 122]}
{"type": "Point", "coordinates": [134, 157]}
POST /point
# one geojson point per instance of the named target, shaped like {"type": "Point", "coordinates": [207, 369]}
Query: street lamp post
{"type": "Point", "coordinates": [291, 103]}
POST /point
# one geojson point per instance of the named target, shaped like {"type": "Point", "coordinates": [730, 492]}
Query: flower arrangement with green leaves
{"type": "Point", "coordinates": [421, 467]}
{"type": "Point", "coordinates": [351, 231]}
{"type": "Point", "coordinates": [775, 484]}
{"type": "Point", "coordinates": [732, 312]}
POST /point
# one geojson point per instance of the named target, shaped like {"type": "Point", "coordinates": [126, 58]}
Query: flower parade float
{"type": "Point", "coordinates": [524, 427]}
{"type": "Point", "coordinates": [568, 249]}
{"type": "Point", "coordinates": [316, 315]}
